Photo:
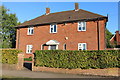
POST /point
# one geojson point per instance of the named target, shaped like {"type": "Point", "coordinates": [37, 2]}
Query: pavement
{"type": "Point", "coordinates": [31, 74]}
{"type": "Point", "coordinates": [27, 73]}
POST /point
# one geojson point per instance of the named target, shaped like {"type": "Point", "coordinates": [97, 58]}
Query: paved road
{"type": "Point", "coordinates": [31, 74]}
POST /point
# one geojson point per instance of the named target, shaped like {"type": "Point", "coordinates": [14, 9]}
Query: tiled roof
{"type": "Point", "coordinates": [64, 16]}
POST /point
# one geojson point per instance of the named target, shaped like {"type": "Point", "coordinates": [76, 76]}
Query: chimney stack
{"type": "Point", "coordinates": [76, 6]}
{"type": "Point", "coordinates": [47, 11]}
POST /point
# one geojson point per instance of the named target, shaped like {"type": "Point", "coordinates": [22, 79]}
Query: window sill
{"type": "Point", "coordinates": [29, 34]}
{"type": "Point", "coordinates": [29, 53]}
{"type": "Point", "coordinates": [81, 31]}
{"type": "Point", "coordinates": [53, 33]}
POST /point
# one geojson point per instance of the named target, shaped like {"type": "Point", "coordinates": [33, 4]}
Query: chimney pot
{"type": "Point", "coordinates": [76, 6]}
{"type": "Point", "coordinates": [47, 11]}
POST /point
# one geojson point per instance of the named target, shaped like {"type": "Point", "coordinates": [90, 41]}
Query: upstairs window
{"type": "Point", "coordinates": [82, 46]}
{"type": "Point", "coordinates": [53, 28]}
{"type": "Point", "coordinates": [81, 26]}
{"type": "Point", "coordinates": [29, 48]}
{"type": "Point", "coordinates": [30, 30]}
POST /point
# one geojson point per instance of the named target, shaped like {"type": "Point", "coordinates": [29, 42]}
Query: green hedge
{"type": "Point", "coordinates": [77, 59]}
{"type": "Point", "coordinates": [28, 59]}
{"type": "Point", "coordinates": [9, 56]}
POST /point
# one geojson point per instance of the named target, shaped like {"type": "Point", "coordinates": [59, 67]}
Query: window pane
{"type": "Point", "coordinates": [54, 28]}
{"type": "Point", "coordinates": [79, 23]}
{"type": "Point", "coordinates": [82, 24]}
{"type": "Point", "coordinates": [84, 28]}
{"type": "Point", "coordinates": [28, 48]}
{"type": "Point", "coordinates": [79, 46]}
{"type": "Point", "coordinates": [80, 28]}
{"type": "Point", "coordinates": [51, 29]}
{"type": "Point", "coordinates": [84, 46]}
{"type": "Point", "coordinates": [31, 31]}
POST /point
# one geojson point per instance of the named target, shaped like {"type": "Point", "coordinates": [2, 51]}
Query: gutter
{"type": "Point", "coordinates": [93, 19]}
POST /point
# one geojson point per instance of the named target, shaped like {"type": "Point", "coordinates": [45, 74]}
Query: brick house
{"type": "Point", "coordinates": [67, 30]}
{"type": "Point", "coordinates": [116, 39]}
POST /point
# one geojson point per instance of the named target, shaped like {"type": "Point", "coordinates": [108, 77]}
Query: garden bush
{"type": "Point", "coordinates": [9, 56]}
{"type": "Point", "coordinates": [77, 59]}
{"type": "Point", "coordinates": [28, 59]}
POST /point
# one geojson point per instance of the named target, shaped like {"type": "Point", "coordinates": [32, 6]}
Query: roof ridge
{"type": "Point", "coordinates": [61, 12]}
{"type": "Point", "coordinates": [47, 18]}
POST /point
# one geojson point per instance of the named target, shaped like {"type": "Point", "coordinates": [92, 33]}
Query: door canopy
{"type": "Point", "coordinates": [52, 42]}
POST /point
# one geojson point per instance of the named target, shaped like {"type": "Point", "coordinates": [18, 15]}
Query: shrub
{"type": "Point", "coordinates": [28, 59]}
{"type": "Point", "coordinates": [10, 56]}
{"type": "Point", "coordinates": [77, 59]}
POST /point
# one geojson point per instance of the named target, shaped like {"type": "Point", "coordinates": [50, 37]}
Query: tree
{"type": "Point", "coordinates": [108, 37]}
{"type": "Point", "coordinates": [7, 30]}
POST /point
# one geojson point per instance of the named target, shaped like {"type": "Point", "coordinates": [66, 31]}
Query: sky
{"type": "Point", "coordinates": [30, 10]}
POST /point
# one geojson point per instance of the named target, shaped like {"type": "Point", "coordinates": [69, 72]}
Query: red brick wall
{"type": "Point", "coordinates": [118, 37]}
{"type": "Point", "coordinates": [115, 38]}
{"type": "Point", "coordinates": [42, 35]}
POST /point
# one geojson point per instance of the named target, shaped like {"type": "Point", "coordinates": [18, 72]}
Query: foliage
{"type": "Point", "coordinates": [10, 56]}
{"type": "Point", "coordinates": [77, 59]}
{"type": "Point", "coordinates": [108, 37]}
{"type": "Point", "coordinates": [8, 31]}
{"type": "Point", "coordinates": [28, 59]}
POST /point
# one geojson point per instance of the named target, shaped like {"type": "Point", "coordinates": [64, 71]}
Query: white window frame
{"type": "Point", "coordinates": [82, 46]}
{"type": "Point", "coordinates": [51, 26]}
{"type": "Point", "coordinates": [29, 48]}
{"type": "Point", "coordinates": [30, 33]}
{"type": "Point", "coordinates": [64, 47]}
{"type": "Point", "coordinates": [81, 24]}
{"type": "Point", "coordinates": [42, 47]}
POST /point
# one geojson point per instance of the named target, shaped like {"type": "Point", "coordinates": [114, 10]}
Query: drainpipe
{"type": "Point", "coordinates": [98, 35]}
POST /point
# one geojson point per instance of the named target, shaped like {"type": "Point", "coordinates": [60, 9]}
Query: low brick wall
{"type": "Point", "coordinates": [99, 72]}
{"type": "Point", "coordinates": [18, 66]}
{"type": "Point", "coordinates": [20, 61]}
{"type": "Point", "coordinates": [9, 66]}
{"type": "Point", "coordinates": [112, 48]}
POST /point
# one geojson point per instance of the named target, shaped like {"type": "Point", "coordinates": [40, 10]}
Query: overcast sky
{"type": "Point", "coordinates": [29, 10]}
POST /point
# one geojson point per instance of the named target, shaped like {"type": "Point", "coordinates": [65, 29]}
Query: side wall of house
{"type": "Point", "coordinates": [118, 37]}
{"type": "Point", "coordinates": [42, 35]}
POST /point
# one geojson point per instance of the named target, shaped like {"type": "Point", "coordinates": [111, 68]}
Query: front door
{"type": "Point", "coordinates": [52, 47]}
